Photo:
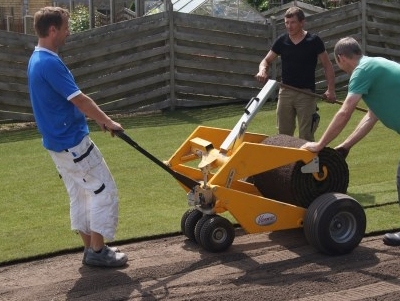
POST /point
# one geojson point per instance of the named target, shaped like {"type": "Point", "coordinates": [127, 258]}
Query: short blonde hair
{"type": "Point", "coordinates": [49, 16]}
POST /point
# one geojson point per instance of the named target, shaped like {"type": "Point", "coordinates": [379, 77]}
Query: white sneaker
{"type": "Point", "coordinates": [85, 250]}
{"type": "Point", "coordinates": [106, 258]}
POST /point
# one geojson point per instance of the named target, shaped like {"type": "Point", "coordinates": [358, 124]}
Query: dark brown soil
{"type": "Point", "coordinates": [274, 266]}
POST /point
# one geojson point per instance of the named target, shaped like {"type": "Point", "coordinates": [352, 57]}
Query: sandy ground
{"type": "Point", "coordinates": [275, 266]}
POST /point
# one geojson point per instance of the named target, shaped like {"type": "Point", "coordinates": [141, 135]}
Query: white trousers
{"type": "Point", "coordinates": [91, 189]}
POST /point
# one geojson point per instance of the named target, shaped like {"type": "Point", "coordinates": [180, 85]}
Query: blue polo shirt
{"type": "Point", "coordinates": [378, 80]}
{"type": "Point", "coordinates": [51, 87]}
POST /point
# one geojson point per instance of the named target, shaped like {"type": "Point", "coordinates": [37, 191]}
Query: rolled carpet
{"type": "Point", "coordinates": [288, 184]}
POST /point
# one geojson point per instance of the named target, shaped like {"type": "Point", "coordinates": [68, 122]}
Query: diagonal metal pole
{"type": "Point", "coordinates": [188, 182]}
{"type": "Point", "coordinates": [316, 95]}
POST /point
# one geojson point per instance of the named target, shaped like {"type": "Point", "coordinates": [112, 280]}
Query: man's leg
{"type": "Point", "coordinates": [91, 188]}
{"type": "Point", "coordinates": [96, 241]}
{"type": "Point", "coordinates": [398, 182]}
{"type": "Point", "coordinates": [285, 112]}
{"type": "Point", "coordinates": [393, 239]}
{"type": "Point", "coordinates": [103, 213]}
{"type": "Point", "coordinates": [86, 239]}
{"type": "Point", "coordinates": [306, 107]}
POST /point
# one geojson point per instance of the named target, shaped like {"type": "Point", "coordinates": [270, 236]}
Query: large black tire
{"type": "Point", "coordinates": [216, 234]}
{"type": "Point", "coordinates": [188, 222]}
{"type": "Point", "coordinates": [335, 223]}
{"type": "Point", "coordinates": [199, 226]}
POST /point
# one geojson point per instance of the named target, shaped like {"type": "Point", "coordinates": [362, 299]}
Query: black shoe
{"type": "Point", "coordinates": [392, 239]}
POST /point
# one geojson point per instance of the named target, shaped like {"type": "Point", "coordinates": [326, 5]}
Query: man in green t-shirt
{"type": "Point", "coordinates": [376, 80]}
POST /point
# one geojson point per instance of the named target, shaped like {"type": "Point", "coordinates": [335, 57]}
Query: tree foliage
{"type": "Point", "coordinates": [263, 5]}
{"type": "Point", "coordinates": [79, 19]}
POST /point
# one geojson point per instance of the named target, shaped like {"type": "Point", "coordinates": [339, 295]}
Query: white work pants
{"type": "Point", "coordinates": [91, 188]}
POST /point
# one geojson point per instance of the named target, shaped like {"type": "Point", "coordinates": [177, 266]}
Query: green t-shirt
{"type": "Point", "coordinates": [378, 80]}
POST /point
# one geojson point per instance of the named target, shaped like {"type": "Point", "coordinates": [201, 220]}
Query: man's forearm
{"type": "Point", "coordinates": [363, 128]}
{"type": "Point", "coordinates": [264, 66]}
{"type": "Point", "coordinates": [88, 107]}
{"type": "Point", "coordinates": [336, 126]}
{"type": "Point", "coordinates": [330, 78]}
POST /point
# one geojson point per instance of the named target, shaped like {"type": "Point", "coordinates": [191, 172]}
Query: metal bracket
{"type": "Point", "coordinates": [311, 167]}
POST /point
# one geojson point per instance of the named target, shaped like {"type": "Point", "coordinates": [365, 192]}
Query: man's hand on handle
{"type": "Point", "coordinates": [330, 96]}
{"type": "Point", "coordinates": [111, 126]}
{"type": "Point", "coordinates": [314, 147]}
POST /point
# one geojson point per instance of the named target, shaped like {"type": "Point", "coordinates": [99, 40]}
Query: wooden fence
{"type": "Point", "coordinates": [172, 60]}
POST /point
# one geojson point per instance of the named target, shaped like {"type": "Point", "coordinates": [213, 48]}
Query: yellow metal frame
{"type": "Point", "coordinates": [227, 171]}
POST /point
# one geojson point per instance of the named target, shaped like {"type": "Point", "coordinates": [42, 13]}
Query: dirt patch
{"type": "Point", "coordinates": [275, 266]}
{"type": "Point", "coordinates": [6, 127]}
{"type": "Point", "coordinates": [16, 126]}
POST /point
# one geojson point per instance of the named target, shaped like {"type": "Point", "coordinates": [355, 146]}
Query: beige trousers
{"type": "Point", "coordinates": [292, 104]}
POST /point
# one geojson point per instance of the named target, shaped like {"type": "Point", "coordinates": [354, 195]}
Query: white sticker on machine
{"type": "Point", "coordinates": [266, 219]}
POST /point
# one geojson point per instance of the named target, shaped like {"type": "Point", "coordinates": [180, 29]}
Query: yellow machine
{"type": "Point", "coordinates": [214, 166]}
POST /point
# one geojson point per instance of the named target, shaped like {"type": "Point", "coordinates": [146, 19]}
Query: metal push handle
{"type": "Point", "coordinates": [188, 182]}
{"type": "Point", "coordinates": [317, 95]}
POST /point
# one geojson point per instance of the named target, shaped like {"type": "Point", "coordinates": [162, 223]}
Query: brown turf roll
{"type": "Point", "coordinates": [288, 184]}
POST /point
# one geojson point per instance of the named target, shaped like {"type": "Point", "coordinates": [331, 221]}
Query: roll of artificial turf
{"type": "Point", "coordinates": [288, 184]}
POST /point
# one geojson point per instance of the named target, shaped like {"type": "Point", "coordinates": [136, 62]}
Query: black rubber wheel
{"type": "Point", "coordinates": [335, 223]}
{"type": "Point", "coordinates": [216, 234]}
{"type": "Point", "coordinates": [189, 221]}
{"type": "Point", "coordinates": [199, 225]}
{"type": "Point", "coordinates": [184, 218]}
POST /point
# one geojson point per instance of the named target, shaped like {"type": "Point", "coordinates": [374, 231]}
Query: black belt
{"type": "Point", "coordinates": [76, 160]}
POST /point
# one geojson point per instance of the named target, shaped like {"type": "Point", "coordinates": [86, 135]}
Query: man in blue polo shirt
{"type": "Point", "coordinates": [60, 111]}
{"type": "Point", "coordinates": [376, 80]}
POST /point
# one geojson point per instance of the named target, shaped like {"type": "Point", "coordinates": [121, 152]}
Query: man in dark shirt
{"type": "Point", "coordinates": [299, 51]}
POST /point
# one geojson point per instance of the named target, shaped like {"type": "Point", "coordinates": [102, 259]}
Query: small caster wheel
{"type": "Point", "coordinates": [189, 221]}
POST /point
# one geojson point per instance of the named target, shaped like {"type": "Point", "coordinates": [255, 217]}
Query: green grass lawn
{"type": "Point", "coordinates": [34, 219]}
